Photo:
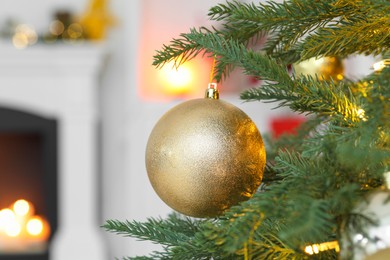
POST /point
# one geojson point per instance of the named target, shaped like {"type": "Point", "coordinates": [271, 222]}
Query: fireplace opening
{"type": "Point", "coordinates": [28, 185]}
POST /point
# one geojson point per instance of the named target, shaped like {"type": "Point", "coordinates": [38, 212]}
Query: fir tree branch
{"type": "Point", "coordinates": [330, 26]}
{"type": "Point", "coordinates": [166, 255]}
{"type": "Point", "coordinates": [308, 95]}
{"type": "Point", "coordinates": [291, 21]}
{"type": "Point", "coordinates": [293, 142]}
{"type": "Point", "coordinates": [228, 51]}
{"type": "Point", "coordinates": [179, 50]}
{"type": "Point", "coordinates": [239, 21]}
{"type": "Point", "coordinates": [169, 232]}
{"type": "Point", "coordinates": [358, 37]}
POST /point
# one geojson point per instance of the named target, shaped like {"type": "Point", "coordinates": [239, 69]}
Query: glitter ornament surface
{"type": "Point", "coordinates": [325, 68]}
{"type": "Point", "coordinates": [203, 156]}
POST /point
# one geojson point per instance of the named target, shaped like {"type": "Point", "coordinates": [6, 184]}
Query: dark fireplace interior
{"type": "Point", "coordinates": [28, 171]}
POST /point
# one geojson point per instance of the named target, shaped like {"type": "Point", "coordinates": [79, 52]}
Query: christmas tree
{"type": "Point", "coordinates": [310, 202]}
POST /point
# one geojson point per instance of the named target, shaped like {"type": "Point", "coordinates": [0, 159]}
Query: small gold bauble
{"type": "Point", "coordinates": [325, 68]}
{"type": "Point", "coordinates": [203, 156]}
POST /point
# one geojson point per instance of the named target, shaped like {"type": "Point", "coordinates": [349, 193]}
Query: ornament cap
{"type": "Point", "coordinates": [212, 91]}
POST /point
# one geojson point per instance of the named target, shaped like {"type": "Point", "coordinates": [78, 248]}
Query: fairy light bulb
{"type": "Point", "coordinates": [380, 65]}
{"type": "Point", "coordinates": [317, 248]}
{"type": "Point", "coordinates": [361, 114]}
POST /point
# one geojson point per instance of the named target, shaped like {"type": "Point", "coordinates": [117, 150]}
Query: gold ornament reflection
{"type": "Point", "coordinates": [325, 68]}
{"type": "Point", "coordinates": [203, 156]}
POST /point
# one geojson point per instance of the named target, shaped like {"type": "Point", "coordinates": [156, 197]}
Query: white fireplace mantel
{"type": "Point", "coordinates": [60, 81]}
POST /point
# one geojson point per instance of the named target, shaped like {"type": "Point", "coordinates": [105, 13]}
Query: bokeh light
{"type": "Point", "coordinates": [177, 81]}
{"type": "Point", "coordinates": [35, 226]}
{"type": "Point", "coordinates": [21, 207]}
{"type": "Point", "coordinates": [24, 35]}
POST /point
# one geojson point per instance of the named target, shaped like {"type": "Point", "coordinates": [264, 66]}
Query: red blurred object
{"type": "Point", "coordinates": [254, 80]}
{"type": "Point", "coordinates": [285, 125]}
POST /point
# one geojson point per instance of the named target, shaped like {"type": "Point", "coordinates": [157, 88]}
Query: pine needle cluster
{"type": "Point", "coordinates": [313, 180]}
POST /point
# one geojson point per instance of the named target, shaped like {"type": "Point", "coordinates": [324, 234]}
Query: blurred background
{"type": "Point", "coordinates": [77, 90]}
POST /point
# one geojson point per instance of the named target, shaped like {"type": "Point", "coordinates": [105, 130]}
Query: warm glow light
{"type": "Point", "coordinates": [380, 65]}
{"type": "Point", "coordinates": [56, 27]}
{"type": "Point", "coordinates": [24, 35]}
{"type": "Point", "coordinates": [21, 207]}
{"type": "Point", "coordinates": [35, 226]}
{"type": "Point", "coordinates": [20, 40]}
{"type": "Point", "coordinates": [319, 62]}
{"type": "Point", "coordinates": [316, 248]}
{"type": "Point", "coordinates": [361, 114]}
{"type": "Point", "coordinates": [6, 217]}
{"type": "Point", "coordinates": [177, 80]}
{"type": "Point", "coordinates": [18, 226]}
{"type": "Point", "coordinates": [75, 31]}
{"type": "Point", "coordinates": [309, 250]}
{"type": "Point", "coordinates": [13, 228]}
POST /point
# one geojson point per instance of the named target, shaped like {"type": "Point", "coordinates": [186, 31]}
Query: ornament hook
{"type": "Point", "coordinates": [212, 91]}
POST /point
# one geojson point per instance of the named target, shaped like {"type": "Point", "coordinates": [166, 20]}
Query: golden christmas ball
{"type": "Point", "coordinates": [204, 156]}
{"type": "Point", "coordinates": [325, 68]}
